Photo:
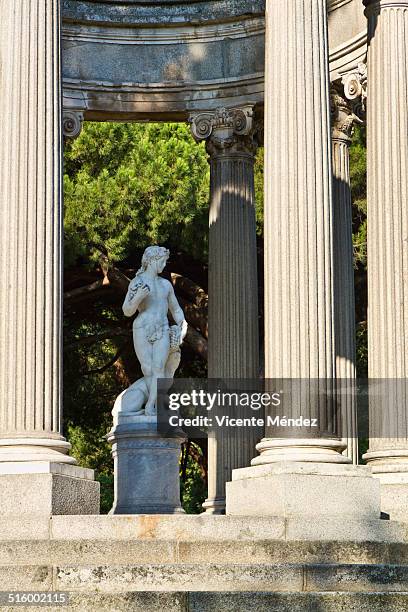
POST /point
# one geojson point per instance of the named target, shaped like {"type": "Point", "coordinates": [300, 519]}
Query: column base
{"type": "Point", "coordinates": [53, 450]}
{"type": "Point", "coordinates": [214, 506]}
{"type": "Point", "coordinates": [390, 468]}
{"type": "Point", "coordinates": [147, 477]}
{"type": "Point", "coordinates": [294, 489]}
{"type": "Point", "coordinates": [309, 450]}
{"type": "Point", "coordinates": [46, 488]}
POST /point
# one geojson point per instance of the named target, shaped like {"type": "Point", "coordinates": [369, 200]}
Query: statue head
{"type": "Point", "coordinates": [155, 257]}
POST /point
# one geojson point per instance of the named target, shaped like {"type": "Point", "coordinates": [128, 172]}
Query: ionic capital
{"type": "Point", "coordinates": [355, 90]}
{"type": "Point", "coordinates": [342, 116]}
{"type": "Point", "coordinates": [226, 130]}
{"type": "Point", "coordinates": [72, 122]}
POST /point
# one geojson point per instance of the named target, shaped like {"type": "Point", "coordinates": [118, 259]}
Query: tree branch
{"type": "Point", "coordinates": [81, 293]}
{"type": "Point", "coordinates": [103, 335]}
{"type": "Point", "coordinates": [190, 289]}
{"type": "Point", "coordinates": [107, 365]}
{"type": "Point", "coordinates": [117, 278]}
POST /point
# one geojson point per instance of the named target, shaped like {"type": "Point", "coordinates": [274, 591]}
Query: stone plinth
{"type": "Point", "coordinates": [320, 490]}
{"type": "Point", "coordinates": [146, 466]}
{"type": "Point", "coordinates": [44, 488]}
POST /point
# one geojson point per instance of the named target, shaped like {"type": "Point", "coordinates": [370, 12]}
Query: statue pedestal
{"type": "Point", "coordinates": [146, 465]}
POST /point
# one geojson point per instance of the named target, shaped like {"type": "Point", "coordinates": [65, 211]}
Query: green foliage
{"type": "Point", "coordinates": [358, 174]}
{"type": "Point", "coordinates": [192, 485]}
{"type": "Point", "coordinates": [362, 350]}
{"type": "Point", "coordinates": [91, 450]}
{"type": "Point", "coordinates": [358, 170]}
{"type": "Point", "coordinates": [129, 185]}
{"type": "Point", "coordinates": [125, 186]}
{"type": "Point", "coordinates": [88, 401]}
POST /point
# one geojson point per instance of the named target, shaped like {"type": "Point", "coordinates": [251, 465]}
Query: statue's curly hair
{"type": "Point", "coordinates": [150, 254]}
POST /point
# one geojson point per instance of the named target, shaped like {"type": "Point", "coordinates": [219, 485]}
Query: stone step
{"type": "Point", "coordinates": [289, 577]}
{"type": "Point", "coordinates": [299, 602]}
{"type": "Point", "coordinates": [190, 528]}
{"type": "Point", "coordinates": [231, 602]}
{"type": "Point", "coordinates": [140, 551]}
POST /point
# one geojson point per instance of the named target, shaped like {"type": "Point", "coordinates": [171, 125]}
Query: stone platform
{"type": "Point", "coordinates": [207, 563]}
{"type": "Point", "coordinates": [46, 487]}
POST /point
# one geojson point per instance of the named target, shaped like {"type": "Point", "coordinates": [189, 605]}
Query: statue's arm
{"type": "Point", "coordinates": [177, 313]}
{"type": "Point", "coordinates": [133, 299]}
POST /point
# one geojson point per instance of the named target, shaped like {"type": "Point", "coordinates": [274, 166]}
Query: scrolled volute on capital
{"type": "Point", "coordinates": [355, 90]}
{"type": "Point", "coordinates": [341, 115]}
{"type": "Point", "coordinates": [72, 122]}
{"type": "Point", "coordinates": [239, 121]}
{"type": "Point", "coordinates": [226, 130]}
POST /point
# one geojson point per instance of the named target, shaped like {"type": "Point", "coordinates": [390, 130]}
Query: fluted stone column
{"type": "Point", "coordinates": [344, 303]}
{"type": "Point", "coordinates": [387, 234]}
{"type": "Point", "coordinates": [298, 233]}
{"type": "Point", "coordinates": [31, 253]}
{"type": "Point", "coordinates": [307, 474]}
{"type": "Point", "coordinates": [233, 344]}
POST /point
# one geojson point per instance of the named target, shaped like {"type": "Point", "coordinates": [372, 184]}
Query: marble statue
{"type": "Point", "coordinates": [157, 344]}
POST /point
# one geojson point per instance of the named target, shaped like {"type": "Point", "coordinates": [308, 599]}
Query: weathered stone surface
{"type": "Point", "coordinates": [301, 602]}
{"type": "Point", "coordinates": [118, 602]}
{"type": "Point", "coordinates": [180, 577]}
{"type": "Point", "coordinates": [100, 559]}
{"type": "Point", "coordinates": [24, 527]}
{"type": "Point", "coordinates": [89, 552]}
{"type": "Point", "coordinates": [394, 496]}
{"type": "Point", "coordinates": [47, 494]}
{"type": "Point", "coordinates": [138, 60]}
{"type": "Point", "coordinates": [102, 552]}
{"type": "Point", "coordinates": [146, 471]}
{"type": "Point", "coordinates": [170, 528]}
{"type": "Point", "coordinates": [329, 528]}
{"type": "Point", "coordinates": [159, 12]}
{"type": "Point", "coordinates": [304, 490]}
{"type": "Point", "coordinates": [232, 602]}
{"type": "Point", "coordinates": [359, 578]}
{"type": "Point", "coordinates": [26, 578]}
{"type": "Point", "coordinates": [189, 529]}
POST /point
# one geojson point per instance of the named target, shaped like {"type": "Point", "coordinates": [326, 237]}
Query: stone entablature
{"type": "Point", "coordinates": [137, 60]}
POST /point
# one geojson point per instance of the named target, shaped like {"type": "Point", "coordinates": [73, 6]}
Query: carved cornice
{"type": "Point", "coordinates": [226, 130]}
{"type": "Point", "coordinates": [72, 122]}
{"type": "Point", "coordinates": [355, 90]}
